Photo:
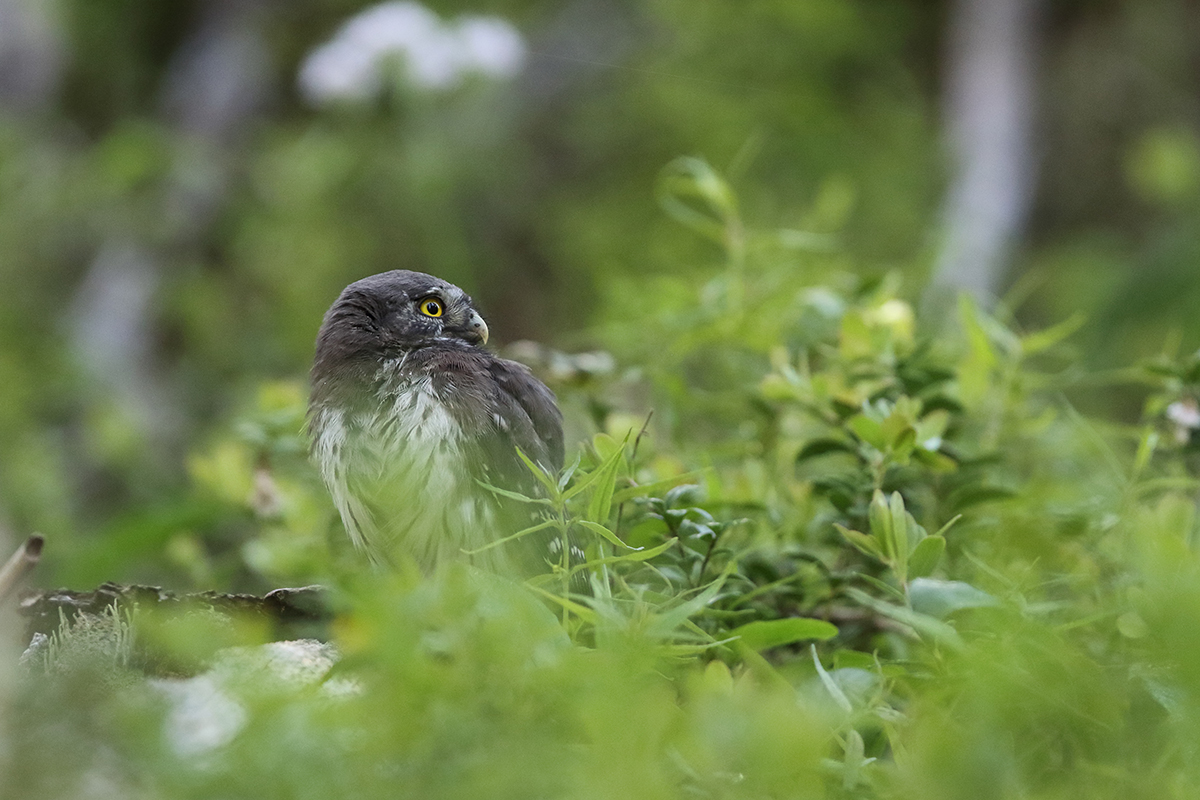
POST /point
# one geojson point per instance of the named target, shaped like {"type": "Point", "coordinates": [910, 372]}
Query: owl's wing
{"type": "Point", "coordinates": [527, 414]}
{"type": "Point", "coordinates": [528, 418]}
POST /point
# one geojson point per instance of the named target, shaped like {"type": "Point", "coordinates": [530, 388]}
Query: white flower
{"type": "Point", "coordinates": [435, 55]}
{"type": "Point", "coordinates": [1186, 416]}
{"type": "Point", "coordinates": [1185, 413]}
{"type": "Point", "coordinates": [492, 46]}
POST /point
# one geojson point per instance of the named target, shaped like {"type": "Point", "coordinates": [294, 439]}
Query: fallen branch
{"type": "Point", "coordinates": [21, 564]}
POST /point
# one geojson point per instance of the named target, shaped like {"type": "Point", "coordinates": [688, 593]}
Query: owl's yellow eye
{"type": "Point", "coordinates": [430, 307]}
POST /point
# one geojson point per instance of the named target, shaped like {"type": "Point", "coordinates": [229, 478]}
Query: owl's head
{"type": "Point", "coordinates": [396, 311]}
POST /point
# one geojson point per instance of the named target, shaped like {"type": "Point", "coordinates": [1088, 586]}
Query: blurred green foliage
{"type": "Point", "coordinates": [899, 567]}
{"type": "Point", "coordinates": [536, 195]}
{"type": "Point", "coordinates": [842, 557]}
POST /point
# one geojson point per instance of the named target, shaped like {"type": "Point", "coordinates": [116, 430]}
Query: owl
{"type": "Point", "coordinates": [410, 414]}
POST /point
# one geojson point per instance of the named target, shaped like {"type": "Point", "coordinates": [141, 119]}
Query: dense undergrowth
{"type": "Point", "coordinates": [843, 558]}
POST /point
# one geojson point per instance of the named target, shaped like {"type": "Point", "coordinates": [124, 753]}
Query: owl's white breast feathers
{"type": "Point", "coordinates": [401, 477]}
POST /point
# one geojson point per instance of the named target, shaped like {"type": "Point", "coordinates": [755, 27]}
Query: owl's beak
{"type": "Point", "coordinates": [476, 327]}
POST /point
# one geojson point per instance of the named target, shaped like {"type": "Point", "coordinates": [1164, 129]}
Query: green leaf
{"type": "Point", "coordinates": [1147, 444]}
{"type": "Point", "coordinates": [868, 430]}
{"type": "Point", "coordinates": [650, 488]}
{"type": "Point", "coordinates": [583, 612]}
{"type": "Point", "coordinates": [895, 426]}
{"type": "Point", "coordinates": [933, 425]}
{"type": "Point", "coordinates": [534, 529]}
{"type": "Point", "coordinates": [973, 495]}
{"type": "Point", "coordinates": [926, 556]}
{"type": "Point", "coordinates": [514, 495]}
{"type": "Point", "coordinates": [1167, 484]}
{"type": "Point", "coordinates": [595, 474]}
{"type": "Point", "coordinates": [1042, 340]}
{"type": "Point", "coordinates": [899, 525]}
{"type": "Point", "coordinates": [694, 194]}
{"type": "Point", "coordinates": [884, 587]}
{"type": "Point", "coordinates": [867, 545]}
{"type": "Point", "coordinates": [881, 526]}
{"type": "Point", "coordinates": [639, 555]}
{"type": "Point", "coordinates": [853, 760]}
{"type": "Point", "coordinates": [820, 447]}
{"type": "Point", "coordinates": [941, 598]}
{"type": "Point", "coordinates": [854, 337]}
{"type": "Point", "coordinates": [765, 634]}
{"type": "Point", "coordinates": [759, 667]}
{"type": "Point", "coordinates": [1132, 626]}
{"type": "Point", "coordinates": [830, 685]}
{"type": "Point", "coordinates": [924, 625]}
{"type": "Point", "coordinates": [606, 534]}
{"type": "Point", "coordinates": [540, 474]}
{"type": "Point", "coordinates": [601, 500]}
{"type": "Point", "coordinates": [903, 445]}
{"type": "Point", "coordinates": [936, 461]}
{"type": "Point", "coordinates": [665, 623]}
{"type": "Point", "coordinates": [974, 375]}
{"type": "Point", "coordinates": [942, 530]}
{"type": "Point", "coordinates": [605, 445]}
{"type": "Point", "coordinates": [569, 472]}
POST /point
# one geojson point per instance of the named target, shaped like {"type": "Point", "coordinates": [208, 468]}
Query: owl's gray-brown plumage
{"type": "Point", "coordinates": [409, 413]}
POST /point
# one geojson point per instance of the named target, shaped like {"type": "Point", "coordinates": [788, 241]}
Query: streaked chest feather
{"type": "Point", "coordinates": [402, 473]}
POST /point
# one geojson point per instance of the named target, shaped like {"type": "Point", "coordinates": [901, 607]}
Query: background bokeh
{"type": "Point", "coordinates": [185, 187]}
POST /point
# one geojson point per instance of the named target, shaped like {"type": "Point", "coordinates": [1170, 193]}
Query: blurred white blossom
{"type": "Point", "coordinates": [434, 54]}
{"type": "Point", "coordinates": [1186, 416]}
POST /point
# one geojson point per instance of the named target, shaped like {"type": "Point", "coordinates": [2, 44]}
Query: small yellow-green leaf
{"type": "Point", "coordinates": [868, 545]}
{"type": "Point", "coordinates": [1132, 626]}
{"type": "Point", "coordinates": [899, 524]}
{"type": "Point", "coordinates": [1042, 340]}
{"type": "Point", "coordinates": [717, 677]}
{"type": "Point", "coordinates": [881, 525]}
{"type": "Point", "coordinates": [604, 533]}
{"type": "Point", "coordinates": [854, 340]}
{"type": "Point", "coordinates": [926, 556]}
{"type": "Point", "coordinates": [600, 502]}
{"type": "Point", "coordinates": [697, 196]}
{"type": "Point", "coordinates": [1146, 447]}
{"type": "Point", "coordinates": [765, 634]}
{"type": "Point", "coordinates": [935, 461]}
{"type": "Point", "coordinates": [902, 446]}
{"type": "Point", "coordinates": [894, 426]}
{"type": "Point", "coordinates": [605, 445]}
{"type": "Point", "coordinates": [868, 430]}
{"type": "Point", "coordinates": [974, 374]}
{"type": "Point", "coordinates": [933, 425]}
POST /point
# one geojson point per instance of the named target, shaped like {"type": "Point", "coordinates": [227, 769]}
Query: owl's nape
{"type": "Point", "coordinates": [409, 413]}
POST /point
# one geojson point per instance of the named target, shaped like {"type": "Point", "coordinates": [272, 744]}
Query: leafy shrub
{"type": "Point", "coordinates": [843, 559]}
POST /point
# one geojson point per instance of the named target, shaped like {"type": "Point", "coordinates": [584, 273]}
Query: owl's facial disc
{"type": "Point", "coordinates": [453, 316]}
